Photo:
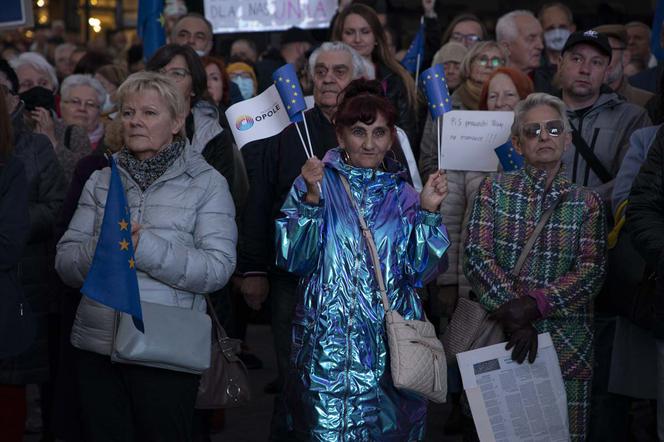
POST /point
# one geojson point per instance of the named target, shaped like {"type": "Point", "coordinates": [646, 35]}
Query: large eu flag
{"type": "Point", "coordinates": [413, 58]}
{"type": "Point", "coordinates": [150, 26]}
{"type": "Point", "coordinates": [112, 277]}
{"type": "Point", "coordinates": [432, 81]}
{"type": "Point", "coordinates": [290, 91]}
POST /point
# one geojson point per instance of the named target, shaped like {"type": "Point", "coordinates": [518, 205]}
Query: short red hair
{"type": "Point", "coordinates": [524, 85]}
{"type": "Point", "coordinates": [362, 101]}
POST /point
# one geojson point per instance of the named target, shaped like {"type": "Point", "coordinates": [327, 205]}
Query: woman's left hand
{"type": "Point", "coordinates": [44, 123]}
{"type": "Point", "coordinates": [434, 191]}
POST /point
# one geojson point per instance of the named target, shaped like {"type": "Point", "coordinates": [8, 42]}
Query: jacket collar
{"type": "Point", "coordinates": [537, 178]}
{"type": "Point", "coordinates": [392, 169]}
{"type": "Point", "coordinates": [206, 124]}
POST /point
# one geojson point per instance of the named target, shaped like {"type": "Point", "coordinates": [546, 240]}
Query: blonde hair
{"type": "Point", "coordinates": [153, 81]}
{"type": "Point", "coordinates": [475, 51]}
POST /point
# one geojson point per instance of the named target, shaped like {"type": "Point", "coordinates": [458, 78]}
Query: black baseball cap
{"type": "Point", "coordinates": [591, 37]}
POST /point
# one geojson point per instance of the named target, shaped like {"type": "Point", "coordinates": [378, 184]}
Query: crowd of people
{"type": "Point", "coordinates": [271, 229]}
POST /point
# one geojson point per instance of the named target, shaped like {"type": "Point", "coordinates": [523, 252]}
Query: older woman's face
{"type": "Point", "coordinates": [544, 150]}
{"type": "Point", "coordinates": [366, 145]}
{"type": "Point", "coordinates": [502, 94]}
{"type": "Point", "coordinates": [178, 70]}
{"type": "Point", "coordinates": [81, 107]}
{"type": "Point", "coordinates": [28, 77]}
{"type": "Point", "coordinates": [357, 34]}
{"type": "Point", "coordinates": [215, 83]}
{"type": "Point", "coordinates": [147, 124]}
{"type": "Point", "coordinates": [485, 63]}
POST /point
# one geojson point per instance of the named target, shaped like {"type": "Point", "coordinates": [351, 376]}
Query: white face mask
{"type": "Point", "coordinates": [555, 38]}
{"type": "Point", "coordinates": [200, 53]}
{"type": "Point", "coordinates": [246, 86]}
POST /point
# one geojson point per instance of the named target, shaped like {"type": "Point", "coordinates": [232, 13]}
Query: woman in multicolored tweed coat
{"type": "Point", "coordinates": [565, 268]}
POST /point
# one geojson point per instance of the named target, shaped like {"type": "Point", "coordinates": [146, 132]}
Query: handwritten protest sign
{"type": "Point", "coordinates": [470, 137]}
{"type": "Point", "coordinates": [268, 15]}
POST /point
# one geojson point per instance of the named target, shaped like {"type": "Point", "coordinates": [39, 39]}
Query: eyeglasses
{"type": "Point", "coordinates": [493, 62]}
{"type": "Point", "coordinates": [177, 74]}
{"type": "Point", "coordinates": [468, 38]}
{"type": "Point", "coordinates": [76, 102]}
{"type": "Point", "coordinates": [554, 128]}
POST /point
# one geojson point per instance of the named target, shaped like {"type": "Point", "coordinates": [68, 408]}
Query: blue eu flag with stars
{"type": "Point", "coordinates": [509, 158]}
{"type": "Point", "coordinates": [290, 91]}
{"type": "Point", "coordinates": [150, 26]}
{"type": "Point", "coordinates": [112, 277]}
{"type": "Point", "coordinates": [411, 60]}
{"type": "Point", "coordinates": [432, 81]}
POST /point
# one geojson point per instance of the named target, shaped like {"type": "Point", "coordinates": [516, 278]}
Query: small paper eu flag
{"type": "Point", "coordinates": [509, 158]}
{"type": "Point", "coordinates": [411, 60]}
{"type": "Point", "coordinates": [290, 91]}
{"type": "Point", "coordinates": [150, 26]}
{"type": "Point", "coordinates": [112, 277]}
{"type": "Point", "coordinates": [432, 81]}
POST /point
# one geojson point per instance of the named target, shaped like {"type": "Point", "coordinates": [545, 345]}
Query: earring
{"type": "Point", "coordinates": [345, 156]}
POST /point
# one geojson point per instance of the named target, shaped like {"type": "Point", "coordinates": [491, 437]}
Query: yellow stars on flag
{"type": "Point", "coordinates": [132, 263]}
{"type": "Point", "coordinates": [124, 225]}
{"type": "Point", "coordinates": [162, 20]}
{"type": "Point", "coordinates": [124, 245]}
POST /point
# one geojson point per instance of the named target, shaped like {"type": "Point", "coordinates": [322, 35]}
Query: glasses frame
{"type": "Point", "coordinates": [546, 124]}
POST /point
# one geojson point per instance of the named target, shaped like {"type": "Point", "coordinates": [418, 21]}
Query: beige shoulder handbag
{"type": "Point", "coordinates": [417, 358]}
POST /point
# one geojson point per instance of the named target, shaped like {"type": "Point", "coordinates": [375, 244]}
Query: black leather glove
{"type": "Point", "coordinates": [517, 313]}
{"type": "Point", "coordinates": [524, 341]}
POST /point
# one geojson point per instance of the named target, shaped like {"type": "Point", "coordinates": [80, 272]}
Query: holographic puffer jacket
{"type": "Point", "coordinates": [340, 386]}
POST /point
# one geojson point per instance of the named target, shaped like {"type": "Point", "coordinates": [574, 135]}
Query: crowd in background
{"type": "Point", "coordinates": [598, 99]}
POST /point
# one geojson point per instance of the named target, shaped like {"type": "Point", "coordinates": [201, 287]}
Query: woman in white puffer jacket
{"type": "Point", "coordinates": [184, 237]}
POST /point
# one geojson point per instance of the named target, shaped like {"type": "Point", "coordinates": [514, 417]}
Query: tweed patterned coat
{"type": "Point", "coordinates": [563, 272]}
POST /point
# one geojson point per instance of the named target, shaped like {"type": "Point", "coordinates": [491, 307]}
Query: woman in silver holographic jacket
{"type": "Point", "coordinates": [340, 385]}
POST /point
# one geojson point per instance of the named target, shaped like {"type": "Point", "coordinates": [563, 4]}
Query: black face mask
{"type": "Point", "coordinates": [38, 97]}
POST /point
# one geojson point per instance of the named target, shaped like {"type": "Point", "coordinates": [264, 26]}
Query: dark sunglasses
{"type": "Point", "coordinates": [554, 128]}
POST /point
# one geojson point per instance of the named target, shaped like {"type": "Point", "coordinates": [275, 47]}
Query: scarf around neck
{"type": "Point", "coordinates": [469, 92]}
{"type": "Point", "coordinates": [148, 171]}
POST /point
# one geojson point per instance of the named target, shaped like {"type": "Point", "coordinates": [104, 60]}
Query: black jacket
{"type": "Point", "coordinates": [271, 61]}
{"type": "Point", "coordinates": [396, 92]}
{"type": "Point", "coordinates": [272, 166]}
{"type": "Point", "coordinates": [46, 189]}
{"type": "Point", "coordinates": [14, 229]}
{"type": "Point", "coordinates": [645, 218]}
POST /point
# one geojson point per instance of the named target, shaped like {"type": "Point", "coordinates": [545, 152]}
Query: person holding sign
{"type": "Point", "coordinates": [564, 270]}
{"type": "Point", "coordinates": [340, 385]}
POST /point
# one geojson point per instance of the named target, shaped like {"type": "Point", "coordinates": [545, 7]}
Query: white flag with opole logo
{"type": "Point", "coordinates": [256, 118]}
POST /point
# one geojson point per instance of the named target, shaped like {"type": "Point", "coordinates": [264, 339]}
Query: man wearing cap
{"type": "Point", "coordinates": [295, 43]}
{"type": "Point", "coordinates": [602, 121]}
{"type": "Point", "coordinates": [620, 57]}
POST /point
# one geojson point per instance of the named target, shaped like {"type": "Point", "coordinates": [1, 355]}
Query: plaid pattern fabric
{"type": "Point", "coordinates": [563, 272]}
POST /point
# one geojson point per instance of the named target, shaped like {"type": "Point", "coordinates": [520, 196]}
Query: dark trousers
{"type": "Point", "coordinates": [283, 294]}
{"type": "Point", "coordinates": [13, 411]}
{"type": "Point", "coordinates": [127, 403]}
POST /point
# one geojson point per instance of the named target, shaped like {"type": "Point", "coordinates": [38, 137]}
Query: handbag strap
{"type": "Point", "coordinates": [533, 237]}
{"type": "Point", "coordinates": [590, 157]}
{"type": "Point", "coordinates": [221, 333]}
{"type": "Point", "coordinates": [371, 245]}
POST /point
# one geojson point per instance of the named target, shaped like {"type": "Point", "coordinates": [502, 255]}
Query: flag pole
{"type": "Point", "coordinates": [304, 145]}
{"type": "Point", "coordinates": [440, 151]}
{"type": "Point", "coordinates": [417, 68]}
{"type": "Point", "coordinates": [306, 129]}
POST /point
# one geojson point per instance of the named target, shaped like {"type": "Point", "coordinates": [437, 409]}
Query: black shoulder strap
{"type": "Point", "coordinates": [590, 157]}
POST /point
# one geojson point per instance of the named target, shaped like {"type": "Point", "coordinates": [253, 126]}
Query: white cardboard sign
{"type": "Point", "coordinates": [470, 137]}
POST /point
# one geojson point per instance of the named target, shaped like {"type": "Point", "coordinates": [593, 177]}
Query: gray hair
{"type": "Point", "coordinates": [83, 80]}
{"type": "Point", "coordinates": [475, 51]}
{"type": "Point", "coordinates": [538, 99]}
{"type": "Point", "coordinates": [330, 46]}
{"type": "Point", "coordinates": [37, 62]}
{"type": "Point", "coordinates": [506, 29]}
{"type": "Point", "coordinates": [153, 81]}
{"type": "Point", "coordinates": [62, 47]}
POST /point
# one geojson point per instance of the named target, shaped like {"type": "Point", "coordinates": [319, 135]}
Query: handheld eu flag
{"type": "Point", "coordinates": [290, 91]}
{"type": "Point", "coordinates": [150, 26]}
{"type": "Point", "coordinates": [413, 58]}
{"type": "Point", "coordinates": [434, 85]}
{"type": "Point", "coordinates": [509, 158]}
{"type": "Point", "coordinates": [112, 279]}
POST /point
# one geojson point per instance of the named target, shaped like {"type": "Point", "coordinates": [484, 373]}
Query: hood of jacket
{"type": "Point", "coordinates": [206, 124]}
